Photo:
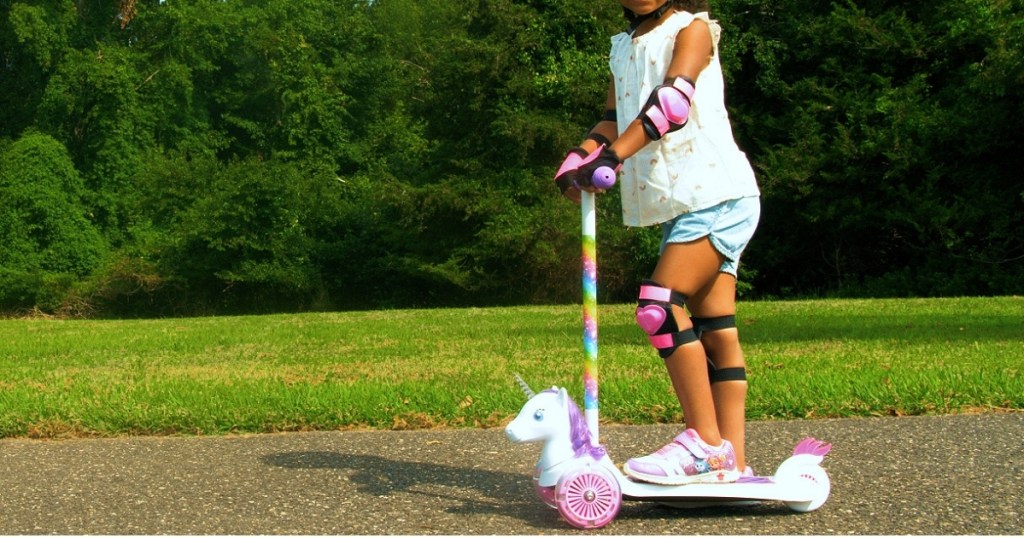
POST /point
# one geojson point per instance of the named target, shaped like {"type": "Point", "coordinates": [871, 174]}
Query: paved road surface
{"type": "Point", "coordinates": [920, 475]}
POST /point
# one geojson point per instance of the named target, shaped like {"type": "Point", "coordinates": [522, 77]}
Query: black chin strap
{"type": "Point", "coordinates": [636, 20]}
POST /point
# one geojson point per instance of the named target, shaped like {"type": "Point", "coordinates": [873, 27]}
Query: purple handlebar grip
{"type": "Point", "coordinates": [603, 178]}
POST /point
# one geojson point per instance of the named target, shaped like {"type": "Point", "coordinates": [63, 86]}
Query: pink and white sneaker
{"type": "Point", "coordinates": [686, 460]}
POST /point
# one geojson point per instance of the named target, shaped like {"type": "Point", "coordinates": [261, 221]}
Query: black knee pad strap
{"type": "Point", "coordinates": [678, 338]}
{"type": "Point", "coordinates": [717, 375]}
{"type": "Point", "coordinates": [702, 325]}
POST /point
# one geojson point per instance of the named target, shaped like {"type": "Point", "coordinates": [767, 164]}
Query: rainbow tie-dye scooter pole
{"type": "Point", "coordinates": [590, 367]}
{"type": "Point", "coordinates": [603, 178]}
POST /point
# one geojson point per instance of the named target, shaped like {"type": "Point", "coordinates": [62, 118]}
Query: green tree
{"type": "Point", "coordinates": [45, 233]}
{"type": "Point", "coordinates": [399, 152]}
{"type": "Point", "coordinates": [33, 39]}
{"type": "Point", "coordinates": [241, 244]}
{"type": "Point", "coordinates": [878, 160]}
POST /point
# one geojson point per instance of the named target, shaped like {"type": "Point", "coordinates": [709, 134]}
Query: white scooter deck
{"type": "Point", "coordinates": [739, 492]}
{"type": "Point", "coordinates": [800, 482]}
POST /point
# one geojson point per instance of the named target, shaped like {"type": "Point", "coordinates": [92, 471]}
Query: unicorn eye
{"type": "Point", "coordinates": [538, 415]}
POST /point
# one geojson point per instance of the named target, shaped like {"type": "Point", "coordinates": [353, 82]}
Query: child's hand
{"type": "Point", "coordinates": [591, 172]}
{"type": "Point", "coordinates": [565, 177]}
{"type": "Point", "coordinates": [596, 173]}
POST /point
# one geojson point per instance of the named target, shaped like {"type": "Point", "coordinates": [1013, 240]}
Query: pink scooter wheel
{"type": "Point", "coordinates": [588, 498]}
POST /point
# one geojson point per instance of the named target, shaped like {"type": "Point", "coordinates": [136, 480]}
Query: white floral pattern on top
{"type": "Point", "coordinates": [694, 168]}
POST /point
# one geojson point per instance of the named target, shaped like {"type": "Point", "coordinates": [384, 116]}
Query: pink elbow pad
{"type": "Point", "coordinates": [668, 108]}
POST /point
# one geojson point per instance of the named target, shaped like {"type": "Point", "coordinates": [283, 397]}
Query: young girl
{"type": "Point", "coordinates": [667, 132]}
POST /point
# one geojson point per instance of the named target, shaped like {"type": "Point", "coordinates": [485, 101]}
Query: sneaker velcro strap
{"type": "Point", "coordinates": [692, 444]}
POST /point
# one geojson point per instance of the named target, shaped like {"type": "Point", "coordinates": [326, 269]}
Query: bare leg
{"type": "Point", "coordinates": [688, 268]}
{"type": "Point", "coordinates": [730, 405]}
{"type": "Point", "coordinates": [724, 350]}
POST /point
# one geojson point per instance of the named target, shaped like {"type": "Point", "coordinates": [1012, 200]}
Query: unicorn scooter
{"type": "Point", "coordinates": [575, 473]}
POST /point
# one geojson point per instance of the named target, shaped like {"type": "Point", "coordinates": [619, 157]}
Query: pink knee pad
{"type": "Point", "coordinates": [654, 316]}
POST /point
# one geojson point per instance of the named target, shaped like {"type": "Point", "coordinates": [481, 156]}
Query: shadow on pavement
{"type": "Point", "coordinates": [455, 490]}
{"type": "Point", "coordinates": [458, 490]}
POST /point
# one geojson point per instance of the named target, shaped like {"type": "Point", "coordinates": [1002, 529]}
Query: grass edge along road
{"type": "Point", "coordinates": [403, 369]}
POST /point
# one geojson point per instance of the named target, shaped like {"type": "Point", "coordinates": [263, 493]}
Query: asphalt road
{"type": "Point", "coordinates": [917, 475]}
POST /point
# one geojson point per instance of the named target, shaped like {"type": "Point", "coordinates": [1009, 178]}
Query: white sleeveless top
{"type": "Point", "coordinates": [694, 168]}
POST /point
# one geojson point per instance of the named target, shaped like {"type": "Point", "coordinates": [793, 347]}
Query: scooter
{"type": "Point", "coordinates": [576, 475]}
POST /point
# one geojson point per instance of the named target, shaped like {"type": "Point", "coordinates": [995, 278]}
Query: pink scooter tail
{"type": "Point", "coordinates": [812, 447]}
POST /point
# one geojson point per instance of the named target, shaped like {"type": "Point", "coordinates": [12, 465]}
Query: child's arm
{"type": "Point", "coordinates": [606, 130]}
{"type": "Point", "coordinates": [692, 53]}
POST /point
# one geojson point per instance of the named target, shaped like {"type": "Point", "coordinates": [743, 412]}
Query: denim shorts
{"type": "Point", "coordinates": [728, 225]}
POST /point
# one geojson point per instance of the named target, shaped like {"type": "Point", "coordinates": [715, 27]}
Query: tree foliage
{"type": "Point", "coordinates": [201, 156]}
{"type": "Point", "coordinates": [48, 240]}
{"type": "Point", "coordinates": [884, 139]}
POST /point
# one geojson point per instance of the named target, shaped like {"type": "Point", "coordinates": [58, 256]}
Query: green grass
{"type": "Point", "coordinates": [453, 367]}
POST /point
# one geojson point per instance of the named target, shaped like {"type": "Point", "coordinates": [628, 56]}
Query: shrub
{"type": "Point", "coordinates": [46, 238]}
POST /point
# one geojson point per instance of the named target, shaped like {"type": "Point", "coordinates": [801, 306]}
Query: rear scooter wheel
{"type": "Point", "coordinates": [588, 497]}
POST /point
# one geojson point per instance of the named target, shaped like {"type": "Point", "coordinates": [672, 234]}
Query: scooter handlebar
{"type": "Point", "coordinates": [604, 177]}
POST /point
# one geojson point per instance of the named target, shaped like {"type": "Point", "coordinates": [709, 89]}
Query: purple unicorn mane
{"type": "Point", "coordinates": [579, 433]}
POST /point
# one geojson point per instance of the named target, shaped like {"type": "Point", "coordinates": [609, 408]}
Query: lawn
{"type": "Point", "coordinates": [454, 367]}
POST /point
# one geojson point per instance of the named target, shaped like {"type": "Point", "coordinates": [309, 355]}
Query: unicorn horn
{"type": "Point", "coordinates": [526, 388]}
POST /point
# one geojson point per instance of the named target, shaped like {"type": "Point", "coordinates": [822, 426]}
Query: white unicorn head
{"type": "Point", "coordinates": [554, 418]}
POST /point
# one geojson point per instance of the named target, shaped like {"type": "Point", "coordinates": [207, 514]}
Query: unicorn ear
{"type": "Point", "coordinates": [563, 397]}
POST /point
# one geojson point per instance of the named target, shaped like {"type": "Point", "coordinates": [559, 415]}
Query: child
{"type": "Point", "coordinates": [667, 132]}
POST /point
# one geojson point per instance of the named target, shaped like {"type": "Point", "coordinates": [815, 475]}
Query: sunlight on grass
{"type": "Point", "coordinates": [453, 367]}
